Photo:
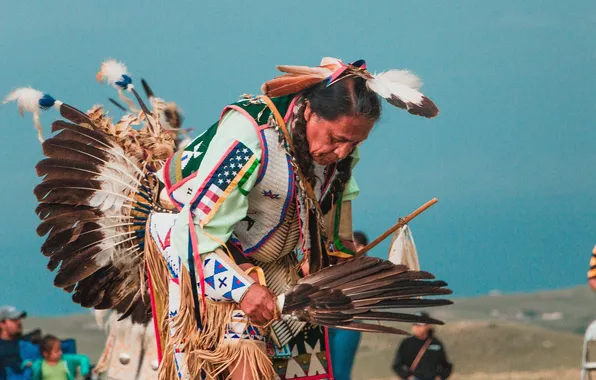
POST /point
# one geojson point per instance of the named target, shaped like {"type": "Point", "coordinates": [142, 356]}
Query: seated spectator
{"type": "Point", "coordinates": [422, 356]}
{"type": "Point", "coordinates": [55, 365]}
{"type": "Point", "coordinates": [592, 271]}
{"type": "Point", "coordinates": [11, 330]}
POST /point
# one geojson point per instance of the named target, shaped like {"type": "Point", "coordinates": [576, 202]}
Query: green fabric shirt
{"type": "Point", "coordinates": [54, 372]}
{"type": "Point", "coordinates": [233, 127]}
{"type": "Point", "coordinates": [69, 363]}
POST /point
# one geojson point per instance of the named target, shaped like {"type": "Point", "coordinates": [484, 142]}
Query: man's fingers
{"type": "Point", "coordinates": [271, 306]}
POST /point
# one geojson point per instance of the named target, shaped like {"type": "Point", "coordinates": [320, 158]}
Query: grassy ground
{"type": "Point", "coordinates": [494, 337]}
{"type": "Point", "coordinates": [482, 350]}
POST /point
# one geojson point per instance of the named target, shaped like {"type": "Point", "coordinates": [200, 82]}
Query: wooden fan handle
{"type": "Point", "coordinates": [402, 222]}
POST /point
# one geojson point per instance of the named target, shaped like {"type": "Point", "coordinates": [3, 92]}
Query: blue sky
{"type": "Point", "coordinates": [510, 156]}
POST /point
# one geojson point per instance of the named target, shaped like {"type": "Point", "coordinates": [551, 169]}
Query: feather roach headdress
{"type": "Point", "coordinates": [398, 87]}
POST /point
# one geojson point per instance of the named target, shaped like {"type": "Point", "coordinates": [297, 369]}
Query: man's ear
{"type": "Point", "coordinates": [307, 111]}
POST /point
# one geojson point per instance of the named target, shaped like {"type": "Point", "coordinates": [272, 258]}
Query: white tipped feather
{"type": "Point", "coordinates": [379, 87]}
{"type": "Point", "coordinates": [403, 77]}
{"type": "Point", "coordinates": [388, 89]}
{"type": "Point", "coordinates": [391, 86]}
{"type": "Point", "coordinates": [111, 72]}
{"type": "Point", "coordinates": [405, 93]}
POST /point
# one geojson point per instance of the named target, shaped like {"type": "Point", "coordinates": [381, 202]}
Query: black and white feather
{"type": "Point", "coordinates": [401, 89]}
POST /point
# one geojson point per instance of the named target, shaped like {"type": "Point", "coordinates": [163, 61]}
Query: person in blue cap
{"type": "Point", "coordinates": [11, 330]}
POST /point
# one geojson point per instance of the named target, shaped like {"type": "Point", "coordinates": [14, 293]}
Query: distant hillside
{"type": "Point", "coordinates": [567, 309]}
{"type": "Point", "coordinates": [520, 336]}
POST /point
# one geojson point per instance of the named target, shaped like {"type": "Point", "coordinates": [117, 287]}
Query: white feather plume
{"type": "Point", "coordinates": [403, 77]}
{"type": "Point", "coordinates": [27, 99]}
{"type": "Point", "coordinates": [111, 71]}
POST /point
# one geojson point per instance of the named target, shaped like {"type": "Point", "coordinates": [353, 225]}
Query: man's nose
{"type": "Point", "coordinates": [342, 151]}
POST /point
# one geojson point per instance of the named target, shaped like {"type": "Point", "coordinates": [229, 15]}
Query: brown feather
{"type": "Point", "coordinates": [396, 317]}
{"type": "Point", "coordinates": [339, 270]}
{"type": "Point", "coordinates": [46, 210]}
{"type": "Point", "coordinates": [407, 303]}
{"type": "Point", "coordinates": [73, 150]}
{"type": "Point", "coordinates": [74, 115]}
{"type": "Point", "coordinates": [318, 71]}
{"type": "Point", "coordinates": [385, 278]}
{"type": "Point", "coordinates": [63, 221]}
{"type": "Point", "coordinates": [289, 84]}
{"type": "Point", "coordinates": [364, 273]}
{"type": "Point", "coordinates": [427, 109]}
{"type": "Point", "coordinates": [365, 327]}
{"type": "Point", "coordinates": [397, 285]}
{"type": "Point", "coordinates": [91, 135]}
{"type": "Point", "coordinates": [68, 191]}
{"type": "Point", "coordinates": [84, 266]}
{"type": "Point", "coordinates": [404, 293]}
{"type": "Point", "coordinates": [55, 168]}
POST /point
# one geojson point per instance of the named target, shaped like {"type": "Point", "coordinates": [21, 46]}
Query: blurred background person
{"type": "Point", "coordinates": [55, 365]}
{"type": "Point", "coordinates": [344, 343]}
{"type": "Point", "coordinates": [422, 356]}
{"type": "Point", "coordinates": [592, 271]}
{"type": "Point", "coordinates": [11, 330]}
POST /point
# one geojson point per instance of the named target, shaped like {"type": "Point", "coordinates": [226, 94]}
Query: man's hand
{"type": "Point", "coordinates": [258, 304]}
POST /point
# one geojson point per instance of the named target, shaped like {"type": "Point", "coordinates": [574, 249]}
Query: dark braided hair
{"type": "Point", "coordinates": [347, 97]}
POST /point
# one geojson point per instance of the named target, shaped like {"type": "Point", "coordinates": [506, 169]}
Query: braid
{"type": "Point", "coordinates": [303, 156]}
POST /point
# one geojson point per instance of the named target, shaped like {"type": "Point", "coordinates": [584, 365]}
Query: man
{"type": "Point", "coordinates": [422, 356]}
{"type": "Point", "coordinates": [344, 343]}
{"type": "Point", "coordinates": [11, 330]}
{"type": "Point", "coordinates": [592, 271]}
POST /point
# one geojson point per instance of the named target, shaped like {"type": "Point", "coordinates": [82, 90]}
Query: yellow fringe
{"type": "Point", "coordinates": [159, 281]}
{"type": "Point", "coordinates": [205, 350]}
{"type": "Point", "coordinates": [225, 359]}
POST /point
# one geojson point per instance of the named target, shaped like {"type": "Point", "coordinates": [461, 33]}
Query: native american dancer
{"type": "Point", "coordinates": [230, 238]}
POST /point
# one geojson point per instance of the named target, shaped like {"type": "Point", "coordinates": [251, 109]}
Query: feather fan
{"type": "Point", "coordinates": [349, 295]}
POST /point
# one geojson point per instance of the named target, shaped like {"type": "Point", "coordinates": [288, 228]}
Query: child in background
{"type": "Point", "coordinates": [55, 365]}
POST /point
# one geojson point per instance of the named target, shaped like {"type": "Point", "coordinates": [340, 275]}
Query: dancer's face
{"type": "Point", "coordinates": [332, 140]}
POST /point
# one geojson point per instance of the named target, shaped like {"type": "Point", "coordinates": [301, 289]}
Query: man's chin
{"type": "Point", "coordinates": [323, 160]}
